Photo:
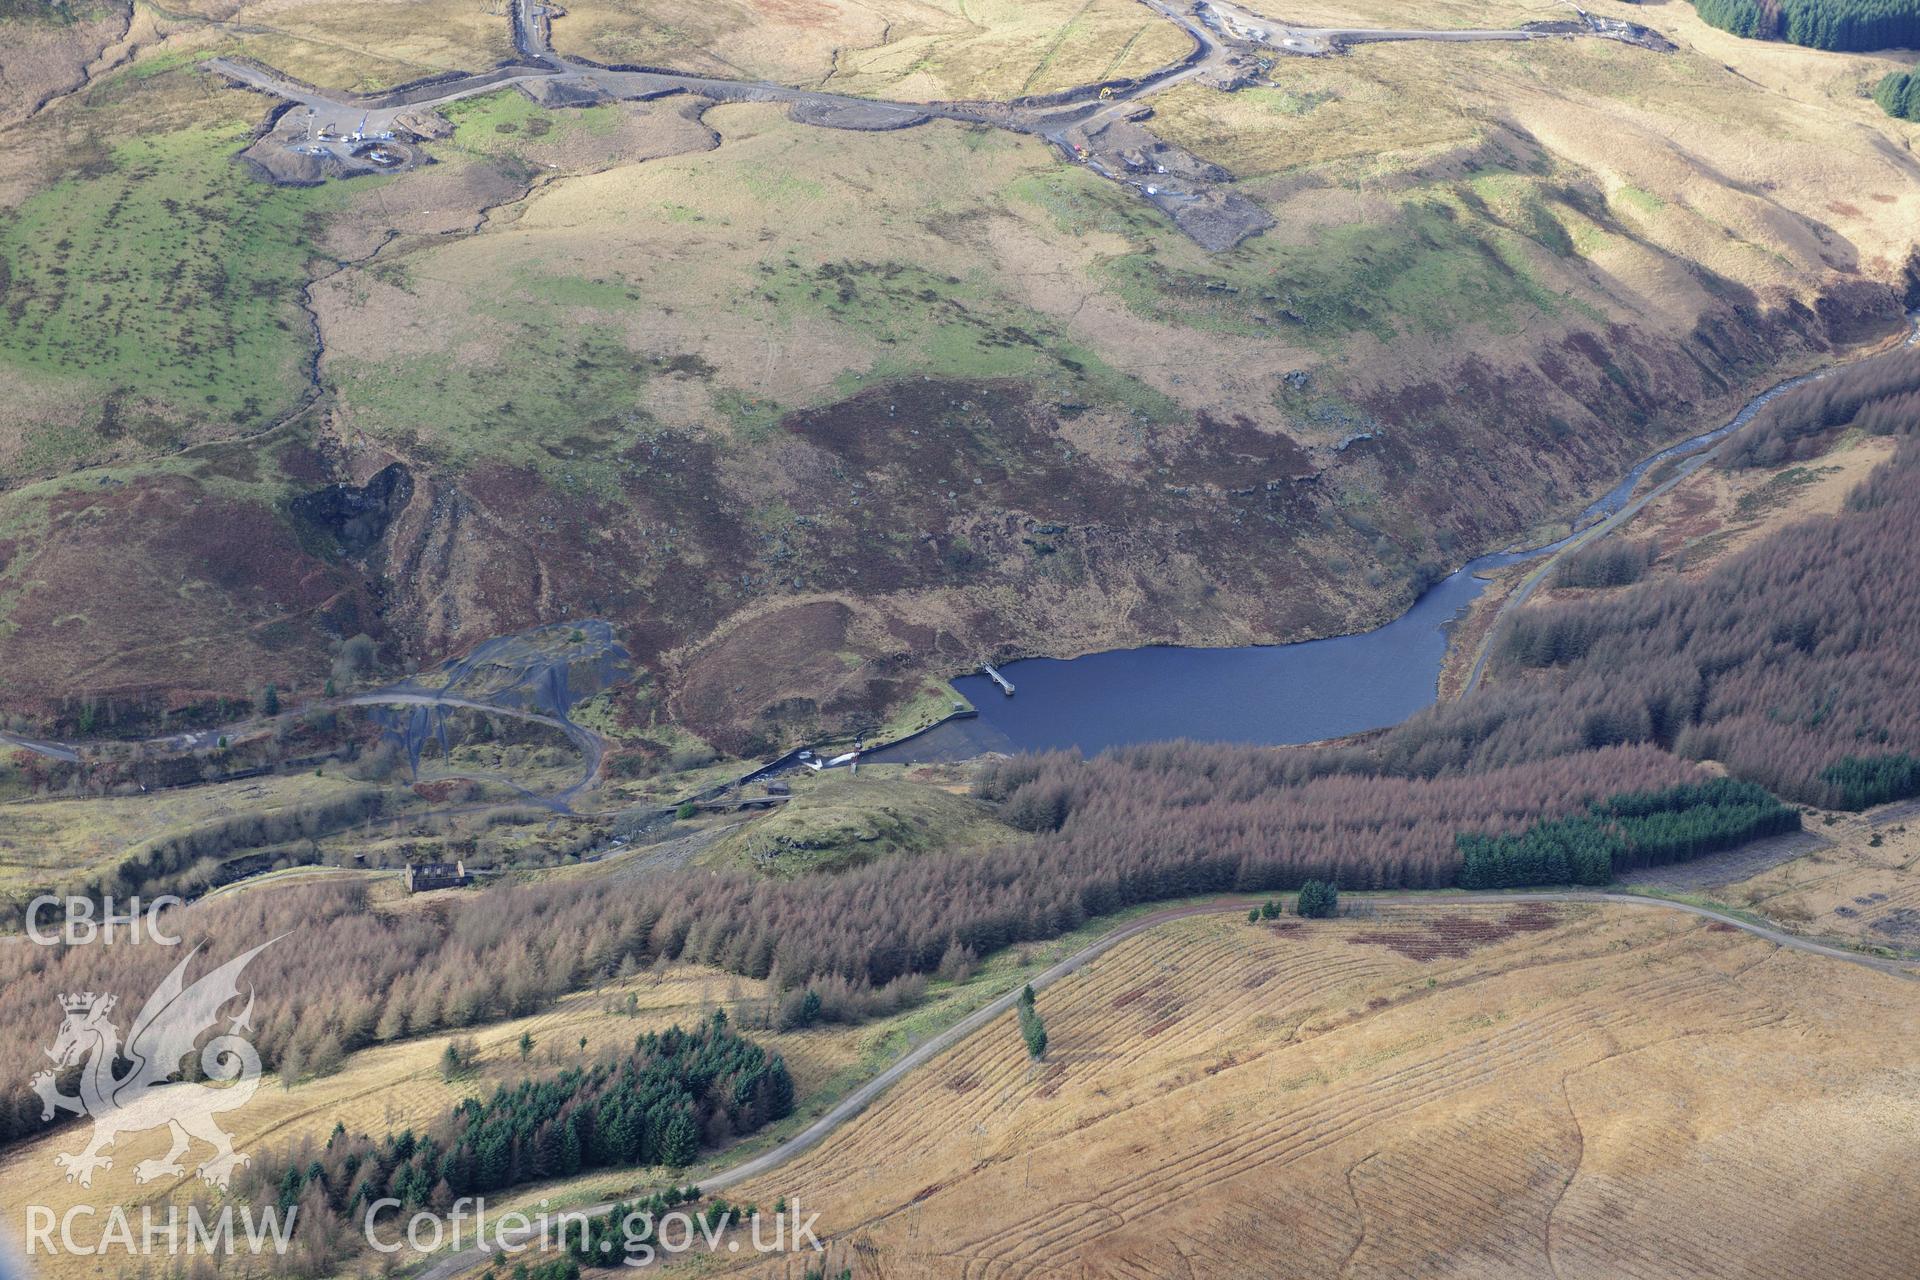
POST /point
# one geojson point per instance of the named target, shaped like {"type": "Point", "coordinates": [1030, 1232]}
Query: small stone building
{"type": "Point", "coordinates": [422, 876]}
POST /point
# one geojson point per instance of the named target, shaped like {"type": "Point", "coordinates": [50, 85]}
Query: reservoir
{"type": "Point", "coordinates": [1267, 695]}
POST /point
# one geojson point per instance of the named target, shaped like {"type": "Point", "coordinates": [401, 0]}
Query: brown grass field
{"type": "Point", "coordinates": [1861, 888]}
{"type": "Point", "coordinates": [910, 49]}
{"type": "Point", "coordinates": [364, 45]}
{"type": "Point", "coordinates": [1441, 1089]}
{"type": "Point", "coordinates": [400, 1084]}
{"type": "Point", "coordinates": [834, 823]}
{"type": "Point", "coordinates": [1481, 1092]}
{"type": "Point", "coordinates": [896, 48]}
{"type": "Point", "coordinates": [55, 841]}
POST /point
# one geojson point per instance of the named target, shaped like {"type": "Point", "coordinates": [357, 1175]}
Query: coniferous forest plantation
{"type": "Point", "coordinates": [1898, 93]}
{"type": "Point", "coordinates": [1856, 25]}
{"type": "Point", "coordinates": [676, 1092]}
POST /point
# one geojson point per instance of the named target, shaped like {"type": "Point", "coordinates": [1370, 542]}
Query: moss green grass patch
{"type": "Point", "coordinates": [948, 326]}
{"type": "Point", "coordinates": [497, 122]}
{"type": "Point", "coordinates": [1434, 267]}
{"type": "Point", "coordinates": [168, 279]}
{"type": "Point", "coordinates": [558, 398]}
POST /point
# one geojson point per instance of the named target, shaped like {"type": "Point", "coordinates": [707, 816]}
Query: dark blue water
{"type": "Point", "coordinates": [1267, 694]}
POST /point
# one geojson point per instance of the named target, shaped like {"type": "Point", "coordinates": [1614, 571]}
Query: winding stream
{"type": "Point", "coordinates": [1268, 695]}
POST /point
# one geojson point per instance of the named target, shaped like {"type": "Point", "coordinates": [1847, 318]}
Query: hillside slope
{"type": "Point", "coordinates": [815, 417]}
{"type": "Point", "coordinates": [1445, 1091]}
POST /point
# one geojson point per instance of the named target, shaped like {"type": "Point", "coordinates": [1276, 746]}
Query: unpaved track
{"type": "Point", "coordinates": [377, 114]}
{"type": "Point", "coordinates": [593, 748]}
{"type": "Point", "coordinates": [856, 1102]}
{"type": "Point", "coordinates": [52, 750]}
{"type": "Point", "coordinates": [1362, 35]}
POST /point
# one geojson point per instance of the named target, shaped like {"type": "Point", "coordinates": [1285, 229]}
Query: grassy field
{"type": "Point", "coordinates": [1861, 887]}
{"type": "Point", "coordinates": [51, 13]}
{"type": "Point", "coordinates": [360, 45]}
{"type": "Point", "coordinates": [1429, 268]}
{"type": "Point", "coordinates": [57, 842]}
{"type": "Point", "coordinates": [678, 318]}
{"type": "Point", "coordinates": [1543, 1087]}
{"type": "Point", "coordinates": [945, 49]}
{"type": "Point", "coordinates": [1603, 1092]}
{"type": "Point", "coordinates": [488, 124]}
{"type": "Point", "coordinates": [166, 279]}
{"type": "Point", "coordinates": [948, 49]}
{"type": "Point", "coordinates": [400, 1084]}
{"type": "Point", "coordinates": [838, 821]}
{"type": "Point", "coordinates": [1437, 256]}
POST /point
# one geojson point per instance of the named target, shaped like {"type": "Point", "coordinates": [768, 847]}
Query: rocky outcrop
{"type": "Point", "coordinates": [352, 518]}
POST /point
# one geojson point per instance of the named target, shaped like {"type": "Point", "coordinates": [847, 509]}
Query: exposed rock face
{"type": "Point", "coordinates": [355, 517]}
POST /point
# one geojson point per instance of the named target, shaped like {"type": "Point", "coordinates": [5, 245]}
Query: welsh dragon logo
{"type": "Point", "coordinates": [165, 1033]}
